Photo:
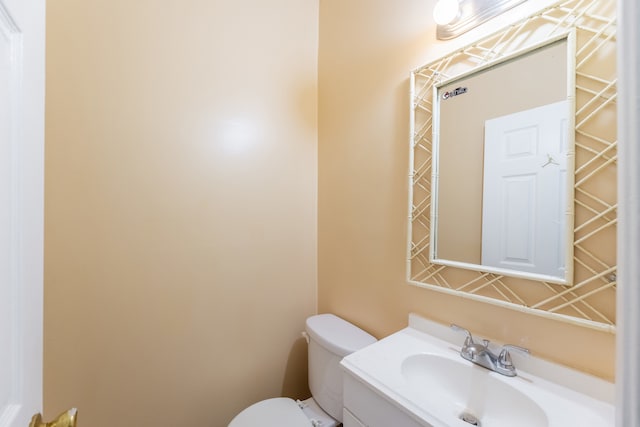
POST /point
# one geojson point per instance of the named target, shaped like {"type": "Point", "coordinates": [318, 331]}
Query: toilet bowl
{"type": "Point", "coordinates": [330, 338]}
{"type": "Point", "coordinates": [284, 412]}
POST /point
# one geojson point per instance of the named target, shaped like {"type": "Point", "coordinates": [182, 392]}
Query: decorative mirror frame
{"type": "Point", "coordinates": [590, 301]}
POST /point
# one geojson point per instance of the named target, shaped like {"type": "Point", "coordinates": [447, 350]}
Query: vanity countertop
{"type": "Point", "coordinates": [423, 374]}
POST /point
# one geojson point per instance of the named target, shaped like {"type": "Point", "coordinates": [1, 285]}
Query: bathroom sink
{"type": "Point", "coordinates": [425, 376]}
{"type": "Point", "coordinates": [470, 393]}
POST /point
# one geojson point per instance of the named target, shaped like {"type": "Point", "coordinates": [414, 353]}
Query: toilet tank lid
{"type": "Point", "coordinates": [337, 335]}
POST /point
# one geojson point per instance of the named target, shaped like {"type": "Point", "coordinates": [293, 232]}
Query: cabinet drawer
{"type": "Point", "coordinates": [350, 420]}
{"type": "Point", "coordinates": [371, 409]}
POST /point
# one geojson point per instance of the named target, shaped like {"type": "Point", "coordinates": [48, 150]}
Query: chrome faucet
{"type": "Point", "coordinates": [480, 354]}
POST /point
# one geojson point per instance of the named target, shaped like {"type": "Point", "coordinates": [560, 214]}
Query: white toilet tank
{"type": "Point", "coordinates": [330, 339]}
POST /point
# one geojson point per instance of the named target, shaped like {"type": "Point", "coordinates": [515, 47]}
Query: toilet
{"type": "Point", "coordinates": [330, 338]}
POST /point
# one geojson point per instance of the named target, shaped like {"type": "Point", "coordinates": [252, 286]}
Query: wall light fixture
{"type": "Point", "coordinates": [456, 17]}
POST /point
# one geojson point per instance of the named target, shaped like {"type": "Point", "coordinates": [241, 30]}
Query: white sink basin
{"type": "Point", "coordinates": [427, 378]}
{"type": "Point", "coordinates": [470, 392]}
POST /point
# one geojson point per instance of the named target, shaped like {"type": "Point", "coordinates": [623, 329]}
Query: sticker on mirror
{"type": "Point", "coordinates": [457, 91]}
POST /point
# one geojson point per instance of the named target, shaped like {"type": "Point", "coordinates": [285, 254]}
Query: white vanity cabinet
{"type": "Point", "coordinates": [364, 407]}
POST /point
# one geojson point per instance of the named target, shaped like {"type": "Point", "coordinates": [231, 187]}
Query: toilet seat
{"type": "Point", "coordinates": [276, 412]}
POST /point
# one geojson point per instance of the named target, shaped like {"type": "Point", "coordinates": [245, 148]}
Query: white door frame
{"type": "Point", "coordinates": [23, 32]}
{"type": "Point", "coordinates": [628, 291]}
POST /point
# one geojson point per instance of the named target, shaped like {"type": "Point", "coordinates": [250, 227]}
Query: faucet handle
{"type": "Point", "coordinates": [504, 358]}
{"type": "Point", "coordinates": [469, 339]}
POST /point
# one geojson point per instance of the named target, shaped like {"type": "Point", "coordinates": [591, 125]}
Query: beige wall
{"type": "Point", "coordinates": [181, 152]}
{"type": "Point", "coordinates": [367, 48]}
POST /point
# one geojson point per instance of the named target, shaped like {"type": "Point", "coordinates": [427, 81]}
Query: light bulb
{"type": "Point", "coordinates": [445, 11]}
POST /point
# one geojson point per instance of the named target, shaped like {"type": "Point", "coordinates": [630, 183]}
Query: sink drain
{"type": "Point", "coordinates": [470, 419]}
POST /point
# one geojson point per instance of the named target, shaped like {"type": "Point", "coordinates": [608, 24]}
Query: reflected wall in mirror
{"type": "Point", "coordinates": [501, 195]}
{"type": "Point", "coordinates": [589, 300]}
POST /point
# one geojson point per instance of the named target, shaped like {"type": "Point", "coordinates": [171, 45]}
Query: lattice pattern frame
{"type": "Point", "coordinates": [591, 300]}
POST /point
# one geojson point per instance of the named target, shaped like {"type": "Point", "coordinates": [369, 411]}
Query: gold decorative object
{"type": "Point", "coordinates": [66, 419]}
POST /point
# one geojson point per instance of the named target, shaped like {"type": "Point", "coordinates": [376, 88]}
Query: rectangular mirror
{"type": "Point", "coordinates": [585, 294]}
{"type": "Point", "coordinates": [503, 143]}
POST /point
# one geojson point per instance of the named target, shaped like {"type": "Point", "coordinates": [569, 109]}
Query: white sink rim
{"type": "Point", "coordinates": [379, 367]}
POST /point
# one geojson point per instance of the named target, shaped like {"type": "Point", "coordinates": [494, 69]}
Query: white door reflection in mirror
{"type": "Point", "coordinates": [523, 213]}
